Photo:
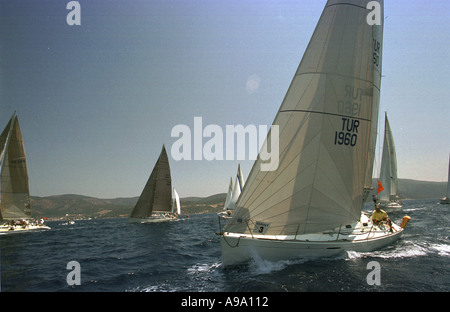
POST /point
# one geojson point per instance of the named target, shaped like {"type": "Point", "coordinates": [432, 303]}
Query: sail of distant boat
{"type": "Point", "coordinates": [15, 194]}
{"type": "Point", "coordinates": [238, 187]}
{"type": "Point", "coordinates": [388, 174]}
{"type": "Point", "coordinates": [229, 195]}
{"type": "Point", "coordinates": [14, 186]}
{"type": "Point", "coordinates": [176, 208]}
{"type": "Point", "coordinates": [156, 200]}
{"type": "Point", "coordinates": [327, 135]}
{"type": "Point", "coordinates": [233, 194]}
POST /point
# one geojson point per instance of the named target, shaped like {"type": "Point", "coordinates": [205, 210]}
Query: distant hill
{"type": "Point", "coordinates": [79, 206]}
{"type": "Point", "coordinates": [71, 206]}
{"type": "Point", "coordinates": [414, 189]}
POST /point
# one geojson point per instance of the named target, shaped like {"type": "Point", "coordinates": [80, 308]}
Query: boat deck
{"type": "Point", "coordinates": [359, 231]}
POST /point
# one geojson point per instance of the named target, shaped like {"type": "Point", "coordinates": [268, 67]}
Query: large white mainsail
{"type": "Point", "coordinates": [388, 173]}
{"type": "Point", "coordinates": [327, 136]}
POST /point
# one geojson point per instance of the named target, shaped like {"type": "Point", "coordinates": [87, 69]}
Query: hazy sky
{"type": "Point", "coordinates": [96, 102]}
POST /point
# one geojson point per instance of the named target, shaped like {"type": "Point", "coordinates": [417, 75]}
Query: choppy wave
{"type": "Point", "coordinates": [186, 256]}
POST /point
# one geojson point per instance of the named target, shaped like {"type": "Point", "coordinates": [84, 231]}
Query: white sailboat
{"type": "Point", "coordinates": [446, 198]}
{"type": "Point", "coordinates": [233, 194]}
{"type": "Point", "coordinates": [226, 211]}
{"type": "Point", "coordinates": [229, 195]}
{"type": "Point", "coordinates": [176, 208]}
{"type": "Point", "coordinates": [15, 210]}
{"type": "Point", "coordinates": [388, 197]}
{"type": "Point", "coordinates": [311, 204]}
{"type": "Point", "coordinates": [158, 201]}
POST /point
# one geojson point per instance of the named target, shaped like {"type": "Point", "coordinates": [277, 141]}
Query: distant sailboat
{"type": "Point", "coordinates": [15, 210]}
{"type": "Point", "coordinates": [310, 205]}
{"type": "Point", "coordinates": [388, 175]}
{"type": "Point", "coordinates": [446, 198]}
{"type": "Point", "coordinates": [233, 193]}
{"type": "Point", "coordinates": [229, 195]}
{"type": "Point", "coordinates": [176, 208]}
{"type": "Point", "coordinates": [158, 201]}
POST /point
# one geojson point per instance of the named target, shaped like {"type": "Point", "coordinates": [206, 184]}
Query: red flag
{"type": "Point", "coordinates": [380, 187]}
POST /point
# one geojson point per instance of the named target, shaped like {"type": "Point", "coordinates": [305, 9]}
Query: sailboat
{"type": "Point", "coordinates": [15, 210]}
{"type": "Point", "coordinates": [446, 198]}
{"type": "Point", "coordinates": [158, 201]}
{"type": "Point", "coordinates": [388, 197]}
{"type": "Point", "coordinates": [176, 208]}
{"type": "Point", "coordinates": [226, 211]}
{"type": "Point", "coordinates": [233, 194]}
{"type": "Point", "coordinates": [310, 205]}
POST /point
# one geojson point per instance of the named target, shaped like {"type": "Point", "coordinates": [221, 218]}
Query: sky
{"type": "Point", "coordinates": [97, 101]}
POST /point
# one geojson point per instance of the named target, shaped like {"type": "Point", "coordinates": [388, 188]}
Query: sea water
{"type": "Point", "coordinates": [185, 256]}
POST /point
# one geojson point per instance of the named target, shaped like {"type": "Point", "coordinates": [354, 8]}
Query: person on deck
{"type": "Point", "coordinates": [379, 216]}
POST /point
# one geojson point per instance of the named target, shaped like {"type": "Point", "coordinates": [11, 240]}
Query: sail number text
{"type": "Point", "coordinates": [376, 52]}
{"type": "Point", "coordinates": [348, 134]}
{"type": "Point", "coordinates": [351, 102]}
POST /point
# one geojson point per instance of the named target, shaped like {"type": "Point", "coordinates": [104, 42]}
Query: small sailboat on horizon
{"type": "Point", "coordinates": [446, 199]}
{"type": "Point", "coordinates": [15, 208]}
{"type": "Point", "coordinates": [310, 205]}
{"type": "Point", "coordinates": [158, 201]}
{"type": "Point", "coordinates": [388, 197]}
{"type": "Point", "coordinates": [233, 194]}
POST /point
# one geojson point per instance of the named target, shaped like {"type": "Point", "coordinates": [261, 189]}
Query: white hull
{"type": "Point", "coordinates": [391, 205]}
{"type": "Point", "coordinates": [152, 219]}
{"type": "Point", "coordinates": [240, 248]}
{"type": "Point", "coordinates": [445, 200]}
{"type": "Point", "coordinates": [8, 229]}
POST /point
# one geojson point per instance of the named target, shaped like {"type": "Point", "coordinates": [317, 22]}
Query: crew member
{"type": "Point", "coordinates": [379, 216]}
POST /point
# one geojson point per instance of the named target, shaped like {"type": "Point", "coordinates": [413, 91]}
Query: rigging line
{"type": "Point", "coordinates": [323, 113]}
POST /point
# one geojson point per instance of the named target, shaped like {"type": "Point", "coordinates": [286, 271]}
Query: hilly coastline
{"type": "Point", "coordinates": [70, 206]}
